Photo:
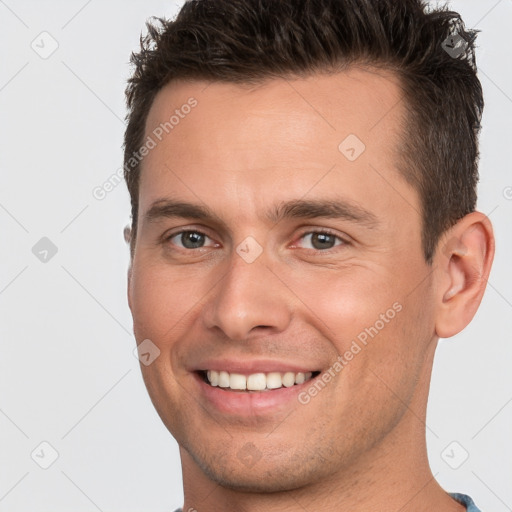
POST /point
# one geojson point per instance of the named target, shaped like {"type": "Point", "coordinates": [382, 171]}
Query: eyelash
{"type": "Point", "coordinates": [319, 231]}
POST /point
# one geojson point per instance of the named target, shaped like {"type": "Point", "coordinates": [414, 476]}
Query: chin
{"type": "Point", "coordinates": [250, 481]}
{"type": "Point", "coordinates": [270, 474]}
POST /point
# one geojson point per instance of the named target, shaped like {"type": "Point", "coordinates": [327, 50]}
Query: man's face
{"type": "Point", "coordinates": [275, 281]}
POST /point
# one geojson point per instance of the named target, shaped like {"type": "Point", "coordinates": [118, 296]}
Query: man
{"type": "Point", "coordinates": [303, 184]}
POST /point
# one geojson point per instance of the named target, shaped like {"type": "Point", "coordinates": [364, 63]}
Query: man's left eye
{"type": "Point", "coordinates": [319, 240]}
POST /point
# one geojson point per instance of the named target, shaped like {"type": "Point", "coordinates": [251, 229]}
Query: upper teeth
{"type": "Point", "coordinates": [256, 381]}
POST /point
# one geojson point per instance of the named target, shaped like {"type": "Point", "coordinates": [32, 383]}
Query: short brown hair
{"type": "Point", "coordinates": [248, 41]}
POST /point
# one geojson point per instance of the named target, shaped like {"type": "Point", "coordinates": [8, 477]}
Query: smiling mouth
{"type": "Point", "coordinates": [255, 382]}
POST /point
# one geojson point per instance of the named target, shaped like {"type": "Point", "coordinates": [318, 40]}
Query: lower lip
{"type": "Point", "coordinates": [251, 403]}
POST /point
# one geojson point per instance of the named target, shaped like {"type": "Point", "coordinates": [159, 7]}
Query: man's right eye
{"type": "Point", "coordinates": [188, 239]}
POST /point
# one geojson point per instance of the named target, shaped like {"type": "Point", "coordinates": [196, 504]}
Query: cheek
{"type": "Point", "coordinates": [374, 322]}
{"type": "Point", "coordinates": [160, 299]}
{"type": "Point", "coordinates": [348, 303]}
{"type": "Point", "coordinates": [158, 302]}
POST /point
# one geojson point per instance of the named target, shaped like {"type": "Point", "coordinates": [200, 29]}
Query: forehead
{"type": "Point", "coordinates": [280, 137]}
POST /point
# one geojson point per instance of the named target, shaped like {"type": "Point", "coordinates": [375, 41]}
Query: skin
{"type": "Point", "coordinates": [359, 444]}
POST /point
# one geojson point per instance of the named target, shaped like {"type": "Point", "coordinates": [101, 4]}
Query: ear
{"type": "Point", "coordinates": [127, 233]}
{"type": "Point", "coordinates": [463, 262]}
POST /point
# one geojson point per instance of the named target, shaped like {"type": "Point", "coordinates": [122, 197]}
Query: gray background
{"type": "Point", "coordinates": [68, 376]}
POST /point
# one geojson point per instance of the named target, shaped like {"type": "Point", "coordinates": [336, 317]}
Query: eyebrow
{"type": "Point", "coordinates": [293, 209]}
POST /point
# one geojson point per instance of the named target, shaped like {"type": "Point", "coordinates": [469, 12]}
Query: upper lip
{"type": "Point", "coordinates": [253, 366]}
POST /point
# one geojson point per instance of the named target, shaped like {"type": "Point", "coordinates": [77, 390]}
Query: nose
{"type": "Point", "coordinates": [249, 300]}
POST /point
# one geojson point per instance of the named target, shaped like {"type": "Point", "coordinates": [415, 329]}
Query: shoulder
{"type": "Point", "coordinates": [466, 501]}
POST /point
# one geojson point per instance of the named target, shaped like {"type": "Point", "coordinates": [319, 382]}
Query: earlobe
{"type": "Point", "coordinates": [463, 263]}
